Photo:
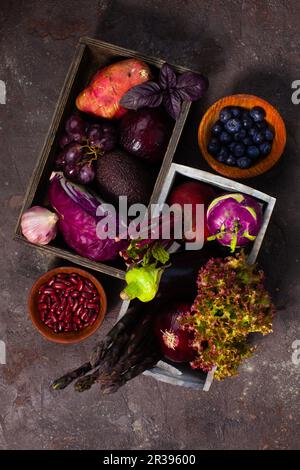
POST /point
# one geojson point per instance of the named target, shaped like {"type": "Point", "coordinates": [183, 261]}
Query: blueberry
{"type": "Point", "coordinates": [233, 125]}
{"type": "Point", "coordinates": [231, 147]}
{"type": "Point", "coordinates": [258, 138]}
{"type": "Point", "coordinates": [269, 135]}
{"type": "Point", "coordinates": [261, 125]}
{"type": "Point", "coordinates": [225, 138]}
{"type": "Point", "coordinates": [230, 160]}
{"type": "Point", "coordinates": [225, 114]}
{"type": "Point", "coordinates": [253, 151]}
{"type": "Point", "coordinates": [244, 162]}
{"type": "Point", "coordinates": [265, 148]}
{"type": "Point", "coordinates": [235, 111]}
{"type": "Point", "coordinates": [217, 128]}
{"type": "Point", "coordinates": [239, 136]}
{"type": "Point", "coordinates": [248, 141]}
{"type": "Point", "coordinates": [257, 113]}
{"type": "Point", "coordinates": [213, 147]}
{"type": "Point", "coordinates": [223, 152]}
{"type": "Point", "coordinates": [239, 150]}
{"type": "Point", "coordinates": [252, 131]}
{"type": "Point", "coordinates": [221, 158]}
{"type": "Point", "coordinates": [247, 122]}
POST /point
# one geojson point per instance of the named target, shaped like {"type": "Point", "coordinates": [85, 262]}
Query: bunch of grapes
{"type": "Point", "coordinates": [81, 144]}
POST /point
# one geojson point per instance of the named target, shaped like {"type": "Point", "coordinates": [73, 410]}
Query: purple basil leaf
{"type": "Point", "coordinates": [172, 103]}
{"type": "Point", "coordinates": [167, 77]}
{"type": "Point", "coordinates": [147, 94]}
{"type": "Point", "coordinates": [191, 86]}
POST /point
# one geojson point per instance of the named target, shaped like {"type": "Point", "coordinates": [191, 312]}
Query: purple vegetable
{"type": "Point", "coordinates": [170, 90]}
{"type": "Point", "coordinates": [147, 94]}
{"type": "Point", "coordinates": [76, 209]}
{"type": "Point", "coordinates": [234, 219]}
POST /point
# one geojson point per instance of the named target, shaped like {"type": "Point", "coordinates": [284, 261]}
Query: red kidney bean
{"type": "Point", "coordinates": [70, 302]}
{"type": "Point", "coordinates": [53, 308]}
{"type": "Point", "coordinates": [61, 316]}
{"type": "Point", "coordinates": [87, 295]}
{"type": "Point", "coordinates": [41, 298]}
{"type": "Point", "coordinates": [75, 305]}
{"type": "Point", "coordinates": [75, 327]}
{"type": "Point", "coordinates": [42, 306]}
{"type": "Point", "coordinates": [48, 290]}
{"type": "Point", "coordinates": [73, 278]}
{"type": "Point", "coordinates": [89, 283]}
{"type": "Point", "coordinates": [59, 285]}
{"type": "Point", "coordinates": [87, 288]}
{"type": "Point", "coordinates": [63, 303]}
{"type": "Point", "coordinates": [70, 289]}
{"type": "Point", "coordinates": [96, 298]}
{"type": "Point", "coordinates": [42, 315]}
{"type": "Point", "coordinates": [51, 282]}
{"type": "Point", "coordinates": [68, 310]}
{"type": "Point", "coordinates": [52, 317]}
{"type": "Point", "coordinates": [75, 293]}
{"type": "Point", "coordinates": [93, 306]}
{"type": "Point", "coordinates": [84, 316]}
{"type": "Point", "coordinates": [79, 310]}
{"type": "Point", "coordinates": [68, 318]}
{"type": "Point", "coordinates": [81, 300]}
{"type": "Point", "coordinates": [80, 285]}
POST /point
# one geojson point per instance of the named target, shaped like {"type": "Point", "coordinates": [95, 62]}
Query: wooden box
{"type": "Point", "coordinates": [91, 55]}
{"type": "Point", "coordinates": [181, 374]}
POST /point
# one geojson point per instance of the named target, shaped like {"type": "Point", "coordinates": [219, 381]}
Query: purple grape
{"type": "Point", "coordinates": [86, 174]}
{"type": "Point", "coordinates": [103, 136]}
{"type": "Point", "coordinates": [60, 161]}
{"type": "Point", "coordinates": [65, 140]}
{"type": "Point", "coordinates": [94, 133]}
{"type": "Point", "coordinates": [73, 153]}
{"type": "Point", "coordinates": [71, 172]}
{"type": "Point", "coordinates": [75, 128]}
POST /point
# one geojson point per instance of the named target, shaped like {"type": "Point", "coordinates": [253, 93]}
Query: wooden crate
{"type": "Point", "coordinates": [181, 374]}
{"type": "Point", "coordinates": [90, 56]}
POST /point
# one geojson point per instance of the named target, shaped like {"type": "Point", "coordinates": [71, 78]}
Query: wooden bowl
{"type": "Point", "coordinates": [262, 164]}
{"type": "Point", "coordinates": [65, 337]}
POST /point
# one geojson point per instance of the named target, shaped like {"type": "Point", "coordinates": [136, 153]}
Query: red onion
{"type": "Point", "coordinates": [175, 341]}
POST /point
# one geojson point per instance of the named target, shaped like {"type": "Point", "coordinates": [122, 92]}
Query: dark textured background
{"type": "Point", "coordinates": [248, 46]}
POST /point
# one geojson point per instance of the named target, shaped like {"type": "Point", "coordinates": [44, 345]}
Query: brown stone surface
{"type": "Point", "coordinates": [243, 46]}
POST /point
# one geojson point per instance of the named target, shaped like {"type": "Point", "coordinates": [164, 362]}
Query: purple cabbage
{"type": "Point", "coordinates": [234, 219]}
{"type": "Point", "coordinates": [76, 209]}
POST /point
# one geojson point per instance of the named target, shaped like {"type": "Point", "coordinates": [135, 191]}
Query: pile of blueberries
{"type": "Point", "coordinates": [240, 136]}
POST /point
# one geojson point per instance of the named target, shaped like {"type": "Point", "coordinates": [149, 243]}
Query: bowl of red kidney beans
{"type": "Point", "coordinates": [67, 305]}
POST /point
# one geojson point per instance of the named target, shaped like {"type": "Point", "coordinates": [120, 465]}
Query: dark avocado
{"type": "Point", "coordinates": [121, 174]}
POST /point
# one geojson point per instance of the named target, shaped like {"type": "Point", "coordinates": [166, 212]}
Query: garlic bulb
{"type": "Point", "coordinates": [39, 225]}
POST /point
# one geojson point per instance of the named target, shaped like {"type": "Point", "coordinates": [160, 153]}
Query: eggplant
{"type": "Point", "coordinates": [179, 281]}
